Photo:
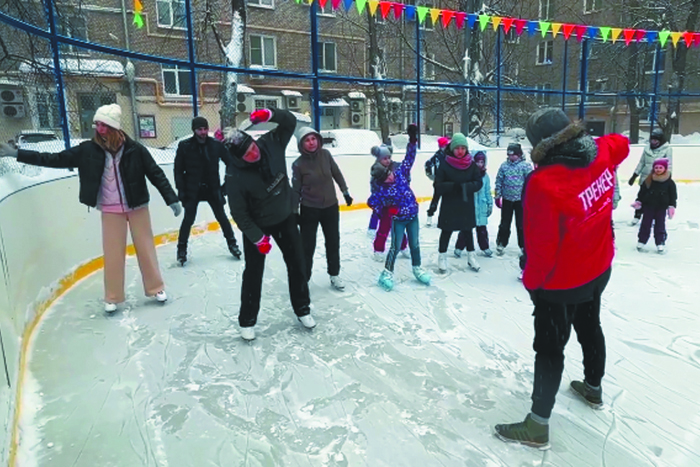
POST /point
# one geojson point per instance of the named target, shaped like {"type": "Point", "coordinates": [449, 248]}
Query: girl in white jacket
{"type": "Point", "coordinates": [658, 148]}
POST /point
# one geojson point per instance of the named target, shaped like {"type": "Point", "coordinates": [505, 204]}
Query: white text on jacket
{"type": "Point", "coordinates": [597, 189]}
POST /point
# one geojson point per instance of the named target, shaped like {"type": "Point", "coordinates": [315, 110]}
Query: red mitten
{"type": "Point", "coordinates": [261, 116]}
{"type": "Point", "coordinates": [671, 212]}
{"type": "Point", "coordinates": [393, 210]}
{"type": "Point", "coordinates": [264, 245]}
{"type": "Point", "coordinates": [498, 202]}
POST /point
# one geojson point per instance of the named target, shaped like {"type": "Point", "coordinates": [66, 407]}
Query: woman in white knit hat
{"type": "Point", "coordinates": [112, 169]}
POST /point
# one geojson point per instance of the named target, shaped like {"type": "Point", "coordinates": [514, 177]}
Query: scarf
{"type": "Point", "coordinates": [459, 164]}
{"type": "Point", "coordinates": [657, 178]}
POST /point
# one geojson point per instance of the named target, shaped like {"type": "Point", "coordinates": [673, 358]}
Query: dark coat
{"type": "Point", "coordinates": [88, 157]}
{"type": "Point", "coordinates": [457, 188]}
{"type": "Point", "coordinates": [259, 194]}
{"type": "Point", "coordinates": [191, 165]}
{"type": "Point", "coordinates": [658, 194]}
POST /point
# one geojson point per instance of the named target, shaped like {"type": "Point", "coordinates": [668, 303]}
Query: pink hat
{"type": "Point", "coordinates": [443, 141]}
{"type": "Point", "coordinates": [662, 162]}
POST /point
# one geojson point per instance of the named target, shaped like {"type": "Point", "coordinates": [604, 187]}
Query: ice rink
{"type": "Point", "coordinates": [414, 377]}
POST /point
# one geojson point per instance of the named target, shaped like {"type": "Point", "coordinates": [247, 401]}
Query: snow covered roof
{"type": "Point", "coordinates": [393, 100]}
{"type": "Point", "coordinates": [357, 95]}
{"type": "Point", "coordinates": [83, 66]}
{"type": "Point", "coordinates": [242, 88]}
{"type": "Point", "coordinates": [287, 92]}
{"type": "Point", "coordinates": [335, 103]}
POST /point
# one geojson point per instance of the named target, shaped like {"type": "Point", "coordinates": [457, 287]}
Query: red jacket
{"type": "Point", "coordinates": [568, 219]}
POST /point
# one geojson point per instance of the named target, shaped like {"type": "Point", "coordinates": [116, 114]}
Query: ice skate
{"type": "Point", "coordinates": [472, 262]}
{"type": "Point", "coordinates": [337, 283]}
{"type": "Point", "coordinates": [233, 248]}
{"type": "Point", "coordinates": [661, 249]}
{"type": "Point", "coordinates": [458, 253]}
{"type": "Point", "coordinates": [487, 252]}
{"type": "Point", "coordinates": [640, 246]}
{"type": "Point", "coordinates": [182, 254]}
{"type": "Point", "coordinates": [248, 333]}
{"type": "Point", "coordinates": [500, 249]}
{"type": "Point", "coordinates": [386, 280]}
{"type": "Point", "coordinates": [307, 321]}
{"type": "Point", "coordinates": [442, 262]}
{"type": "Point", "coordinates": [422, 275]}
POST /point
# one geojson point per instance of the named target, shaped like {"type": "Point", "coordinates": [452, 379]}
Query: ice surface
{"type": "Point", "coordinates": [413, 377]}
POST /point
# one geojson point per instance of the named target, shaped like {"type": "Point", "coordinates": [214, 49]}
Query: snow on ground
{"type": "Point", "coordinates": [413, 377]}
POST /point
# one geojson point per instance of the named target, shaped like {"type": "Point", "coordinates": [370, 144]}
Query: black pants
{"type": "Point", "coordinates": [287, 238]}
{"type": "Point", "coordinates": [482, 237]}
{"type": "Point", "coordinates": [553, 323]}
{"type": "Point", "coordinates": [329, 218]}
{"type": "Point", "coordinates": [191, 213]}
{"type": "Point", "coordinates": [464, 239]}
{"type": "Point", "coordinates": [507, 210]}
{"type": "Point", "coordinates": [638, 213]}
{"type": "Point", "coordinates": [433, 204]}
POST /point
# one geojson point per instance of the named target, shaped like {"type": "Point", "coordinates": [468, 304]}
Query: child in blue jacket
{"type": "Point", "coordinates": [483, 202]}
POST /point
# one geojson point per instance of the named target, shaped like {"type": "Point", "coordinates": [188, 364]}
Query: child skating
{"type": "Point", "coordinates": [509, 188]}
{"type": "Point", "coordinates": [483, 202]}
{"type": "Point", "coordinates": [656, 199]}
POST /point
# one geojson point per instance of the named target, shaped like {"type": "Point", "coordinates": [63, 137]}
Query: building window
{"type": "Point", "coordinates": [545, 11]}
{"type": "Point", "coordinates": [263, 103]}
{"type": "Point", "coordinates": [176, 81]}
{"type": "Point", "coordinates": [590, 6]}
{"type": "Point", "coordinates": [262, 3]}
{"type": "Point", "coordinates": [171, 13]}
{"type": "Point", "coordinates": [544, 98]}
{"type": "Point", "coordinates": [263, 51]}
{"type": "Point", "coordinates": [545, 51]}
{"type": "Point", "coordinates": [74, 27]}
{"type": "Point", "coordinates": [597, 85]}
{"type": "Point", "coordinates": [411, 113]}
{"type": "Point", "coordinates": [429, 67]}
{"type": "Point", "coordinates": [47, 110]}
{"type": "Point", "coordinates": [326, 57]}
{"type": "Point", "coordinates": [650, 61]}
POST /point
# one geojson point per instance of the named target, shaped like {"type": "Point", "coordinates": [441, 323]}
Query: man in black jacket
{"type": "Point", "coordinates": [197, 179]}
{"type": "Point", "coordinates": [261, 203]}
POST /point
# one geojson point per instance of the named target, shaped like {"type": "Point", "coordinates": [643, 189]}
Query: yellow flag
{"type": "Point", "coordinates": [675, 37]}
{"type": "Point", "coordinates": [555, 29]}
{"type": "Point", "coordinates": [495, 21]}
{"type": "Point", "coordinates": [435, 14]}
{"type": "Point", "coordinates": [373, 6]}
{"type": "Point", "coordinates": [615, 34]}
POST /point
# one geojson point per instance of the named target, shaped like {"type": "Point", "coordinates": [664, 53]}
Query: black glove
{"type": "Point", "coordinates": [634, 177]}
{"type": "Point", "coordinates": [412, 133]}
{"type": "Point", "coordinates": [348, 198]}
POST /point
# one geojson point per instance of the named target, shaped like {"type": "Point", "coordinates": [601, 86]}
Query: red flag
{"type": "Point", "coordinates": [688, 36]}
{"type": "Point", "coordinates": [520, 25]}
{"type": "Point", "coordinates": [398, 9]}
{"type": "Point", "coordinates": [640, 35]}
{"type": "Point", "coordinates": [336, 4]}
{"type": "Point", "coordinates": [581, 30]}
{"type": "Point", "coordinates": [322, 3]}
{"type": "Point", "coordinates": [696, 40]}
{"type": "Point", "coordinates": [385, 7]}
{"type": "Point", "coordinates": [447, 17]}
{"type": "Point", "coordinates": [568, 29]}
{"type": "Point", "coordinates": [629, 35]}
{"type": "Point", "coordinates": [459, 19]}
{"type": "Point", "coordinates": [507, 24]}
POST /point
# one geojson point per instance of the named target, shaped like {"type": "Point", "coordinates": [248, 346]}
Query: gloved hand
{"type": "Point", "coordinates": [7, 151]}
{"type": "Point", "coordinates": [412, 133]}
{"type": "Point", "coordinates": [637, 205]}
{"type": "Point", "coordinates": [177, 208]}
{"type": "Point", "coordinates": [348, 198]}
{"type": "Point", "coordinates": [498, 202]}
{"type": "Point", "coordinates": [261, 116]}
{"type": "Point", "coordinates": [264, 245]}
{"type": "Point", "coordinates": [393, 210]}
{"type": "Point", "coordinates": [634, 177]}
{"type": "Point", "coordinates": [671, 212]}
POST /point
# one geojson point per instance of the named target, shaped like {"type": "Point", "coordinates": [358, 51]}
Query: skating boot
{"type": "Point", "coordinates": [233, 248]}
{"type": "Point", "coordinates": [182, 254]}
{"type": "Point", "coordinates": [422, 275]}
{"type": "Point", "coordinates": [472, 262]}
{"type": "Point", "coordinates": [386, 280]}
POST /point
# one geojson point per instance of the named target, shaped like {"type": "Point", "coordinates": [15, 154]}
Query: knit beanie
{"type": "Point", "coordinates": [479, 156]}
{"type": "Point", "coordinates": [662, 162]}
{"type": "Point", "coordinates": [458, 139]}
{"type": "Point", "coordinates": [381, 152]}
{"type": "Point", "coordinates": [544, 123]}
{"type": "Point", "coordinates": [443, 141]}
{"type": "Point", "coordinates": [110, 115]}
{"type": "Point", "coordinates": [514, 148]}
{"type": "Point", "coordinates": [199, 122]}
{"type": "Point", "coordinates": [237, 142]}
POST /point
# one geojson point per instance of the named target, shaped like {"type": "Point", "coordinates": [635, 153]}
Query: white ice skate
{"type": "Point", "coordinates": [248, 334]}
{"type": "Point", "coordinates": [337, 283]}
{"type": "Point", "coordinates": [472, 262]}
{"type": "Point", "coordinates": [442, 262]}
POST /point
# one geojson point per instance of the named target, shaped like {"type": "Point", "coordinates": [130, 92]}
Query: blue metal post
{"type": "Point", "coordinates": [190, 52]}
{"type": "Point", "coordinates": [498, 87]}
{"type": "Point", "coordinates": [60, 96]}
{"type": "Point", "coordinates": [418, 79]}
{"type": "Point", "coordinates": [584, 79]}
{"type": "Point", "coordinates": [565, 70]}
{"type": "Point", "coordinates": [657, 67]}
{"type": "Point", "coordinates": [315, 89]}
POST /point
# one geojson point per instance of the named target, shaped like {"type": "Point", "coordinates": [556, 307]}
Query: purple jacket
{"type": "Point", "coordinates": [399, 193]}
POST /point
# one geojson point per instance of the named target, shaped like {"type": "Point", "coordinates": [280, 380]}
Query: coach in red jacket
{"type": "Point", "coordinates": [568, 202]}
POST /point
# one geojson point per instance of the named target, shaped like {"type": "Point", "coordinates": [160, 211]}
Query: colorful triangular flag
{"type": "Point", "coordinates": [322, 3]}
{"type": "Point", "coordinates": [629, 35]}
{"type": "Point", "coordinates": [544, 27]}
{"type": "Point", "coordinates": [652, 36]}
{"type": "Point", "coordinates": [495, 22]}
{"type": "Point", "coordinates": [459, 19]}
{"type": "Point", "coordinates": [688, 37]}
{"type": "Point", "coordinates": [384, 8]}
{"type": "Point", "coordinates": [568, 29]}
{"type": "Point", "coordinates": [507, 24]}
{"type": "Point", "coordinates": [581, 29]}
{"type": "Point", "coordinates": [520, 26]}
{"type": "Point", "coordinates": [335, 4]}
{"type": "Point", "coordinates": [531, 27]}
{"type": "Point", "coordinates": [556, 27]}
{"type": "Point", "coordinates": [663, 37]}
{"type": "Point", "coordinates": [422, 12]}
{"type": "Point", "coordinates": [592, 32]}
{"type": "Point", "coordinates": [483, 21]}
{"type": "Point", "coordinates": [447, 17]}
{"type": "Point", "coordinates": [360, 4]}
{"type": "Point", "coordinates": [605, 32]}
{"type": "Point", "coordinates": [472, 20]}
{"type": "Point", "coordinates": [398, 9]}
{"type": "Point", "coordinates": [373, 4]}
{"type": "Point", "coordinates": [410, 12]}
{"type": "Point", "coordinates": [615, 34]}
{"type": "Point", "coordinates": [435, 14]}
{"type": "Point", "coordinates": [639, 35]}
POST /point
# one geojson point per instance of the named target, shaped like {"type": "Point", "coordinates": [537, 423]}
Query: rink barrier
{"type": "Point", "coordinates": [46, 198]}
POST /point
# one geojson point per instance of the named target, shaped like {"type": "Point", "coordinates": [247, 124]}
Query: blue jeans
{"type": "Point", "coordinates": [397, 230]}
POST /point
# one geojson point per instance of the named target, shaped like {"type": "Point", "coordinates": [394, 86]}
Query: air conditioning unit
{"type": "Point", "coordinates": [357, 118]}
{"type": "Point", "coordinates": [293, 102]}
{"type": "Point", "coordinates": [357, 105]}
{"type": "Point", "coordinates": [245, 103]}
{"type": "Point", "coordinates": [11, 96]}
{"type": "Point", "coordinates": [257, 77]}
{"type": "Point", "coordinates": [13, 110]}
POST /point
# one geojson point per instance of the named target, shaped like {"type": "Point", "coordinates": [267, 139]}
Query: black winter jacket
{"type": "Point", "coordinates": [432, 164]}
{"type": "Point", "coordinates": [257, 202]}
{"type": "Point", "coordinates": [89, 158]}
{"type": "Point", "coordinates": [190, 167]}
{"type": "Point", "coordinates": [658, 194]}
{"type": "Point", "coordinates": [457, 188]}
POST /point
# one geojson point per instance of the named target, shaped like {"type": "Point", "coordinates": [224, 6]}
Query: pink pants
{"type": "Point", "coordinates": [383, 233]}
{"type": "Point", "coordinates": [114, 227]}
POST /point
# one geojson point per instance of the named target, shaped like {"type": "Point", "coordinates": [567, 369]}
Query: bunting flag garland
{"type": "Point", "coordinates": [444, 17]}
{"type": "Point", "coordinates": [138, 8]}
